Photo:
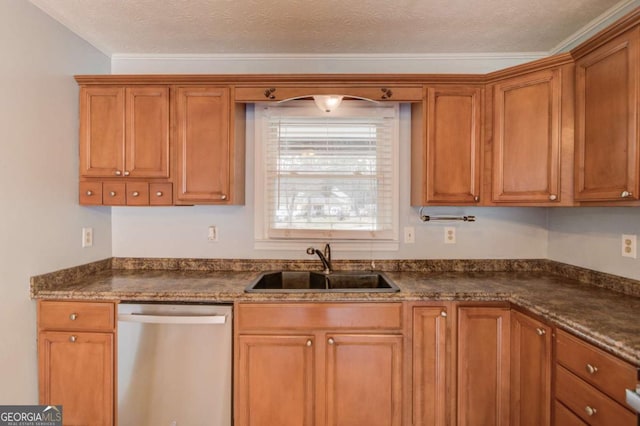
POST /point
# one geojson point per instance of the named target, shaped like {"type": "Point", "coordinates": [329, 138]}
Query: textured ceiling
{"type": "Point", "coordinates": [324, 26]}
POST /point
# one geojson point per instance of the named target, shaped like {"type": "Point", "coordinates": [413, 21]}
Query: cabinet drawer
{"type": "Point", "coordinates": [55, 315]}
{"type": "Point", "coordinates": [160, 194]}
{"type": "Point", "coordinates": [564, 417]}
{"type": "Point", "coordinates": [137, 194]}
{"type": "Point", "coordinates": [91, 193]}
{"type": "Point", "coordinates": [606, 372]}
{"type": "Point", "coordinates": [588, 403]}
{"type": "Point", "coordinates": [297, 316]}
{"type": "Point", "coordinates": [114, 194]}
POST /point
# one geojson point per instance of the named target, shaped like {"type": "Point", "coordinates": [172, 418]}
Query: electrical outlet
{"type": "Point", "coordinates": [212, 234]}
{"type": "Point", "coordinates": [87, 237]}
{"type": "Point", "coordinates": [449, 235]}
{"type": "Point", "coordinates": [629, 246]}
{"type": "Point", "coordinates": [409, 235]}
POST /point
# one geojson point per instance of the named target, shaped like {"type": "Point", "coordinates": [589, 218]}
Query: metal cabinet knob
{"type": "Point", "coordinates": [591, 369]}
{"type": "Point", "coordinates": [73, 339]}
{"type": "Point", "coordinates": [223, 197]}
{"type": "Point", "coordinates": [309, 342]}
{"type": "Point", "coordinates": [590, 410]}
{"type": "Point", "coordinates": [626, 194]}
{"type": "Point", "coordinates": [476, 199]}
{"type": "Point", "coordinates": [331, 341]}
{"type": "Point", "coordinates": [553, 197]}
{"type": "Point", "coordinates": [112, 193]}
{"type": "Point", "coordinates": [118, 173]}
{"type": "Point", "coordinates": [73, 316]}
{"type": "Point", "coordinates": [126, 173]}
{"type": "Point", "coordinates": [135, 193]}
{"type": "Point", "coordinates": [541, 331]}
{"type": "Point", "coordinates": [159, 194]}
{"type": "Point", "coordinates": [443, 314]}
{"type": "Point", "coordinates": [89, 193]}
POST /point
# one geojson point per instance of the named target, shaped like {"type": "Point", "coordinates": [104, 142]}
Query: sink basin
{"type": "Point", "coordinates": [308, 281]}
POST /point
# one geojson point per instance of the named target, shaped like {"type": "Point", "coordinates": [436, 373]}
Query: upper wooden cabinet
{"type": "Point", "coordinates": [445, 146]}
{"type": "Point", "coordinates": [210, 161]}
{"type": "Point", "coordinates": [124, 131]}
{"type": "Point", "coordinates": [278, 92]}
{"type": "Point", "coordinates": [531, 150]}
{"type": "Point", "coordinates": [607, 161]}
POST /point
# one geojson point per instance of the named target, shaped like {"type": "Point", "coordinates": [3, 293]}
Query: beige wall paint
{"type": "Point", "coordinates": [40, 219]}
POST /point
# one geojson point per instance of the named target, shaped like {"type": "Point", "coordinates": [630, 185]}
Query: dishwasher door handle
{"type": "Point", "coordinates": [173, 319]}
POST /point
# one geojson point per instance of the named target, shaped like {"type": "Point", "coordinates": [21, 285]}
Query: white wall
{"type": "Point", "coordinates": [182, 231]}
{"type": "Point", "coordinates": [40, 219]}
{"type": "Point", "coordinates": [591, 237]}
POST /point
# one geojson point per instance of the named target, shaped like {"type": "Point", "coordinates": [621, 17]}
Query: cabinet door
{"type": "Point", "coordinates": [203, 144]}
{"type": "Point", "coordinates": [147, 132]}
{"type": "Point", "coordinates": [430, 341]}
{"type": "Point", "coordinates": [530, 371]}
{"type": "Point", "coordinates": [526, 149]}
{"type": "Point", "coordinates": [363, 380]}
{"type": "Point", "coordinates": [607, 121]}
{"type": "Point", "coordinates": [483, 366]}
{"type": "Point", "coordinates": [451, 162]}
{"type": "Point", "coordinates": [102, 132]}
{"type": "Point", "coordinates": [275, 380]}
{"type": "Point", "coordinates": [76, 371]}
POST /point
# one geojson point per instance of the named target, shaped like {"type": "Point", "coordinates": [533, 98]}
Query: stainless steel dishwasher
{"type": "Point", "coordinates": [174, 365]}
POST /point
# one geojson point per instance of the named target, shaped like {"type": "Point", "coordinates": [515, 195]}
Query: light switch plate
{"type": "Point", "coordinates": [409, 235]}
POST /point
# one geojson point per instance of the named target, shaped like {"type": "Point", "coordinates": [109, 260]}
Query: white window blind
{"type": "Point", "coordinates": [330, 175]}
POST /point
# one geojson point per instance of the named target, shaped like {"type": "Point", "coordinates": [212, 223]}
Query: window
{"type": "Point", "coordinates": [327, 176]}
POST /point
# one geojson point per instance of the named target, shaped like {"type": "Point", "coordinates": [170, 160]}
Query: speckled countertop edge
{"type": "Point", "coordinates": [575, 299]}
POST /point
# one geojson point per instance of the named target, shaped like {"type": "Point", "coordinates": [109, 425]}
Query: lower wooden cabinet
{"type": "Point", "coordinates": [431, 365]}
{"type": "Point", "coordinates": [483, 365]}
{"type": "Point", "coordinates": [531, 365]}
{"type": "Point", "coordinates": [328, 375]}
{"type": "Point", "coordinates": [76, 360]}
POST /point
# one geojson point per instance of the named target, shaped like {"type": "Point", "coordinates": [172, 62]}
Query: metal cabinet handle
{"type": "Point", "coordinates": [112, 193]}
{"type": "Point", "coordinates": [159, 194]}
{"type": "Point", "coordinates": [553, 197]}
{"type": "Point", "coordinates": [223, 197]}
{"type": "Point", "coordinates": [72, 339]}
{"type": "Point", "coordinates": [118, 173]}
{"type": "Point", "coordinates": [309, 343]}
{"type": "Point", "coordinates": [89, 193]}
{"type": "Point", "coordinates": [126, 173]}
{"type": "Point", "coordinates": [626, 194]}
{"type": "Point", "coordinates": [443, 314]}
{"type": "Point", "coordinates": [331, 341]}
{"type": "Point", "coordinates": [590, 410]}
{"type": "Point", "coordinates": [541, 331]}
{"type": "Point", "coordinates": [73, 316]}
{"type": "Point", "coordinates": [135, 193]}
{"type": "Point", "coordinates": [591, 369]}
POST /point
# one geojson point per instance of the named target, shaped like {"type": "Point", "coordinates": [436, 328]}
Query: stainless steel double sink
{"type": "Point", "coordinates": [311, 281]}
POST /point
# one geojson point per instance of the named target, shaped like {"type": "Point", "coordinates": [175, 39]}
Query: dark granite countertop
{"type": "Point", "coordinates": [599, 315]}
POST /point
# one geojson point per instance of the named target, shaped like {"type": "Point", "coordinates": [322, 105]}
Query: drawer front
{"type": "Point", "coordinates": [606, 372]}
{"type": "Point", "coordinates": [137, 194]}
{"type": "Point", "coordinates": [300, 316]}
{"type": "Point", "coordinates": [564, 416]}
{"type": "Point", "coordinates": [114, 193]}
{"type": "Point", "coordinates": [56, 315]}
{"type": "Point", "coordinates": [160, 194]}
{"type": "Point", "coordinates": [91, 193]}
{"type": "Point", "coordinates": [588, 403]}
